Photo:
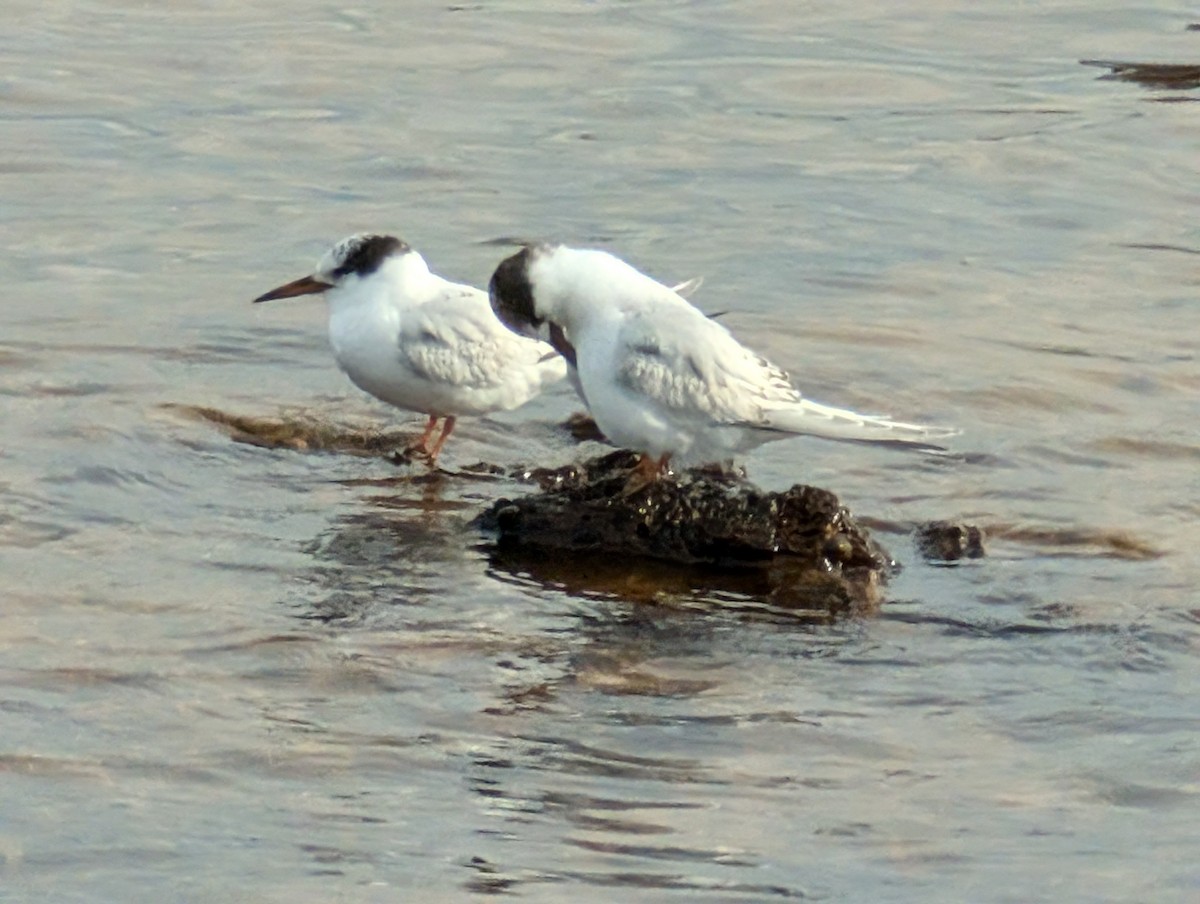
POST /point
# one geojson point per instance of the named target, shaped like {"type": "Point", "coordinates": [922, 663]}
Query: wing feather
{"type": "Point", "coordinates": [698, 371]}
{"type": "Point", "coordinates": [456, 340]}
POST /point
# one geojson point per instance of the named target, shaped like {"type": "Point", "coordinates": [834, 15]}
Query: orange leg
{"type": "Point", "coordinates": [648, 470]}
{"type": "Point", "coordinates": [422, 445]}
{"type": "Point", "coordinates": [447, 429]}
{"type": "Point", "coordinates": [652, 468]}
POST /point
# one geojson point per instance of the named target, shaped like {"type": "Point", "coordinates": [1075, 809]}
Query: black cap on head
{"type": "Point", "coordinates": [512, 295]}
{"type": "Point", "coordinates": [364, 255]}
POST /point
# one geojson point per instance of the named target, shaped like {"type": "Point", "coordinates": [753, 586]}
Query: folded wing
{"type": "Point", "coordinates": [696, 370]}
{"type": "Point", "coordinates": [456, 340]}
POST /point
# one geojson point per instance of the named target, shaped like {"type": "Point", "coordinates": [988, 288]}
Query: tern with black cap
{"type": "Point", "coordinates": [418, 341]}
{"type": "Point", "coordinates": [659, 376]}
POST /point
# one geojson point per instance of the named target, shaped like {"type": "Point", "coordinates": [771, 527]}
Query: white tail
{"type": "Point", "coordinates": [815, 419]}
{"type": "Point", "coordinates": [688, 289]}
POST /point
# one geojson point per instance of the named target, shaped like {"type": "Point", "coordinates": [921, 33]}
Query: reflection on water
{"type": "Point", "coordinates": [287, 669]}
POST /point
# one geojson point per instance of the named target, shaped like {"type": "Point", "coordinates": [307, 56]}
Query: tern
{"type": "Point", "coordinates": [659, 376]}
{"type": "Point", "coordinates": [418, 341]}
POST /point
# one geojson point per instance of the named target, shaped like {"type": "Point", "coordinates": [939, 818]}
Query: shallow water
{"type": "Point", "coordinates": [230, 672]}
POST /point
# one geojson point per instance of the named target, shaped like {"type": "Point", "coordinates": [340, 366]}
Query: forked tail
{"type": "Point", "coordinates": [815, 419]}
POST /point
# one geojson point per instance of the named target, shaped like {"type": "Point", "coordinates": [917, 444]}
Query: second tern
{"type": "Point", "coordinates": [659, 376]}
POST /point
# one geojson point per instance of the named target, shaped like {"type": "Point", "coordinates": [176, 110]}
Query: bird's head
{"type": "Point", "coordinates": [512, 295]}
{"type": "Point", "coordinates": [355, 257]}
{"type": "Point", "coordinates": [523, 300]}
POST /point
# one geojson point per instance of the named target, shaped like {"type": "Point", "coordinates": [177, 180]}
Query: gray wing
{"type": "Point", "coordinates": [696, 370]}
{"type": "Point", "coordinates": [456, 340]}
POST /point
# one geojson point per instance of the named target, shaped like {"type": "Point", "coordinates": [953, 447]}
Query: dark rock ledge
{"type": "Point", "coordinates": [695, 537]}
{"type": "Point", "coordinates": [801, 547]}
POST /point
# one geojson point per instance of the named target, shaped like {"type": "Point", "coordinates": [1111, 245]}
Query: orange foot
{"type": "Point", "coordinates": [420, 448]}
{"type": "Point", "coordinates": [648, 470]}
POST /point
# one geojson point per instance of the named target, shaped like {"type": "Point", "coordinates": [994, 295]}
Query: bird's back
{"type": "Point", "coordinates": [427, 344]}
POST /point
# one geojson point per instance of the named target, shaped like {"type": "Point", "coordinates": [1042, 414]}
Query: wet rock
{"type": "Point", "coordinates": [1171, 76]}
{"type": "Point", "coordinates": [798, 548]}
{"type": "Point", "coordinates": [949, 541]}
{"type": "Point", "coordinates": [582, 427]}
{"type": "Point", "coordinates": [300, 431]}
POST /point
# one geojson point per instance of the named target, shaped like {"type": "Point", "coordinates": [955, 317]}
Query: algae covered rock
{"type": "Point", "coordinates": [949, 541]}
{"type": "Point", "coordinates": [797, 548]}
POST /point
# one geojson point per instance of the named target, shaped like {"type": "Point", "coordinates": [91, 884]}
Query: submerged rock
{"type": "Point", "coordinates": [1176, 76]}
{"type": "Point", "coordinates": [301, 431]}
{"type": "Point", "coordinates": [800, 548]}
{"type": "Point", "coordinates": [949, 541]}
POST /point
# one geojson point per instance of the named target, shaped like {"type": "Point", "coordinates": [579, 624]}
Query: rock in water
{"type": "Point", "coordinates": [799, 548]}
{"type": "Point", "coordinates": [949, 541]}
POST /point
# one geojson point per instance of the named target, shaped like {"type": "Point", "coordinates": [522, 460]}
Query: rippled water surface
{"type": "Point", "coordinates": [230, 672]}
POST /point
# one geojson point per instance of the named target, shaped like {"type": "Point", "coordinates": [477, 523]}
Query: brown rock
{"type": "Point", "coordinates": [799, 548]}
